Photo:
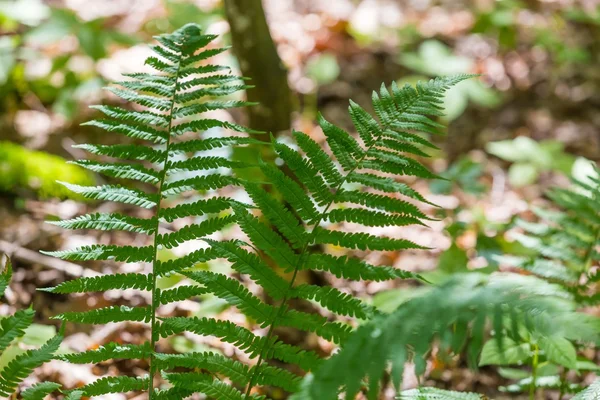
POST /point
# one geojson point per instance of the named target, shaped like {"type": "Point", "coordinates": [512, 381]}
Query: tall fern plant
{"type": "Point", "coordinates": [169, 98]}
{"type": "Point", "coordinates": [352, 183]}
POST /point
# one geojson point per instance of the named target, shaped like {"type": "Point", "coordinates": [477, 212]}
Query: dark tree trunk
{"type": "Point", "coordinates": [259, 61]}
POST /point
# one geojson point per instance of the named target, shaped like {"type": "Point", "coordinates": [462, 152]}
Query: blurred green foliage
{"type": "Point", "coordinates": [38, 171]}
{"type": "Point", "coordinates": [531, 158]}
{"type": "Point", "coordinates": [433, 58]}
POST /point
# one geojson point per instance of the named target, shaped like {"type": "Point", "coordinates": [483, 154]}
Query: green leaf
{"type": "Point", "coordinates": [506, 352]}
{"type": "Point", "coordinates": [559, 350]}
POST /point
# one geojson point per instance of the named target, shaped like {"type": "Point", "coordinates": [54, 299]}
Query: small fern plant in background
{"type": "Point", "coordinates": [562, 247]}
{"type": "Point", "coordinates": [22, 365]}
{"type": "Point", "coordinates": [456, 314]}
{"type": "Point", "coordinates": [353, 182]}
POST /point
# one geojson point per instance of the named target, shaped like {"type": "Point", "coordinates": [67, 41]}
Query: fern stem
{"type": "Point", "coordinates": [534, 367]}
{"type": "Point", "coordinates": [300, 264]}
{"type": "Point", "coordinates": [163, 175]}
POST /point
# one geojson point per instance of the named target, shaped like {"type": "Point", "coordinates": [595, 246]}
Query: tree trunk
{"type": "Point", "coordinates": [259, 61]}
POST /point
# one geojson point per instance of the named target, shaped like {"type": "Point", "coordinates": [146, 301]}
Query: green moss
{"type": "Point", "coordinates": [21, 168]}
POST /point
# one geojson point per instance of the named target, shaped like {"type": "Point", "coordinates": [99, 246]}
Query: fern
{"type": "Point", "coordinates": [353, 182]}
{"type": "Point", "coordinates": [449, 313]}
{"type": "Point", "coordinates": [20, 367]}
{"type": "Point", "coordinates": [437, 394]}
{"type": "Point", "coordinates": [564, 243]}
{"type": "Point", "coordinates": [317, 196]}
{"type": "Point", "coordinates": [173, 102]}
{"type": "Point", "coordinates": [592, 392]}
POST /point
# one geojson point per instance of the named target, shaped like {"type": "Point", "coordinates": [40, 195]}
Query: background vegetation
{"type": "Point", "coordinates": [527, 125]}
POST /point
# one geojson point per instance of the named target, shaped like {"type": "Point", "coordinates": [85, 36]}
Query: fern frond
{"type": "Point", "coordinates": [363, 241]}
{"type": "Point", "coordinates": [180, 293]}
{"type": "Point", "coordinates": [201, 207]}
{"type": "Point", "coordinates": [563, 243]}
{"type": "Point", "coordinates": [128, 254]}
{"type": "Point", "coordinates": [130, 130]}
{"type": "Point", "coordinates": [281, 217]}
{"type": "Point", "coordinates": [114, 384]}
{"type": "Point", "coordinates": [24, 364]}
{"type": "Point", "coordinates": [125, 151]}
{"type": "Point", "coordinates": [105, 315]}
{"type": "Point", "coordinates": [199, 256]}
{"type": "Point", "coordinates": [114, 193]}
{"type": "Point", "coordinates": [5, 276]}
{"type": "Point", "coordinates": [201, 183]}
{"type": "Point", "coordinates": [122, 171]}
{"type": "Point", "coordinates": [108, 222]}
{"type": "Point", "coordinates": [464, 299]}
{"type": "Point", "coordinates": [430, 393]}
{"type": "Point", "coordinates": [234, 293]}
{"type": "Point", "coordinates": [291, 192]}
{"type": "Point", "coordinates": [240, 337]}
{"type": "Point", "coordinates": [39, 391]}
{"type": "Point", "coordinates": [250, 264]}
{"type": "Point", "coordinates": [195, 231]}
{"type": "Point", "coordinates": [213, 362]}
{"type": "Point", "coordinates": [206, 384]}
{"type": "Point", "coordinates": [592, 392]}
{"type": "Point", "coordinates": [334, 300]}
{"type": "Point", "coordinates": [202, 163]}
{"type": "Point", "coordinates": [108, 352]}
{"type": "Point", "coordinates": [266, 239]}
{"type": "Point", "coordinates": [354, 269]}
{"type": "Point", "coordinates": [103, 283]}
{"type": "Point", "coordinates": [14, 326]}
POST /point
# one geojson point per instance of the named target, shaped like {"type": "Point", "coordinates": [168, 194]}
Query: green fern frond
{"type": "Point", "coordinates": [362, 241]}
{"type": "Point", "coordinates": [201, 207]}
{"type": "Point", "coordinates": [128, 254]}
{"type": "Point", "coordinates": [201, 184]}
{"type": "Point", "coordinates": [39, 391]}
{"type": "Point", "coordinates": [108, 222]}
{"type": "Point", "coordinates": [24, 364]}
{"type": "Point", "coordinates": [464, 299]}
{"type": "Point", "coordinates": [114, 384]}
{"type": "Point", "coordinates": [430, 393]}
{"type": "Point", "coordinates": [5, 276]}
{"type": "Point", "coordinates": [206, 384]}
{"type": "Point", "coordinates": [14, 326]}
{"type": "Point", "coordinates": [234, 293]}
{"type": "Point", "coordinates": [354, 269]}
{"type": "Point", "coordinates": [334, 300]}
{"type": "Point", "coordinates": [162, 268]}
{"type": "Point", "coordinates": [105, 315]}
{"type": "Point", "coordinates": [195, 231]}
{"type": "Point", "coordinates": [122, 171]}
{"type": "Point", "coordinates": [250, 264]}
{"type": "Point", "coordinates": [213, 362]}
{"type": "Point", "coordinates": [125, 151]}
{"type": "Point", "coordinates": [17, 369]}
{"type": "Point", "coordinates": [592, 392]}
{"type": "Point", "coordinates": [563, 243]}
{"type": "Point", "coordinates": [108, 352]}
{"type": "Point", "coordinates": [114, 193]}
{"type": "Point", "coordinates": [103, 283]}
{"type": "Point", "coordinates": [240, 337]}
{"type": "Point", "coordinates": [180, 293]}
